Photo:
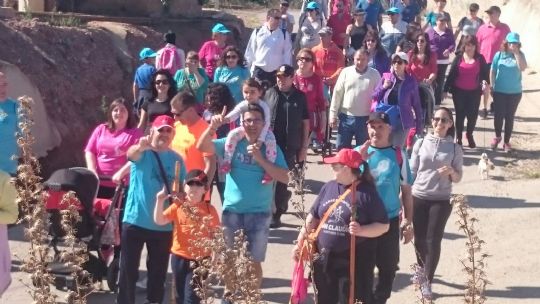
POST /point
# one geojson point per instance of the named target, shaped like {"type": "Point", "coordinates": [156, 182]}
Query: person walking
{"type": "Point", "coordinates": [338, 22]}
{"type": "Point", "coordinates": [438, 11]}
{"type": "Point", "coordinates": [193, 78]}
{"type": "Point", "coordinates": [378, 59]}
{"type": "Point", "coordinates": [8, 215]}
{"type": "Point", "coordinates": [329, 60]}
{"type": "Point", "coordinates": [436, 164]}
{"type": "Point", "coordinates": [351, 101]}
{"type": "Point", "coordinates": [309, 26]}
{"type": "Point", "coordinates": [392, 31]}
{"type": "Point", "coordinates": [291, 126]}
{"type": "Point", "coordinates": [397, 95]}
{"type": "Point", "coordinates": [355, 33]}
{"type": "Point", "coordinates": [170, 57]}
{"type": "Point", "coordinates": [332, 214]}
{"type": "Point", "coordinates": [142, 83]}
{"type": "Point", "coordinates": [468, 76]}
{"type": "Point", "coordinates": [211, 50]}
{"type": "Point", "coordinates": [490, 37]}
{"type": "Point", "coordinates": [505, 75]}
{"type": "Point", "coordinates": [163, 90]}
{"type": "Point", "coordinates": [153, 165]}
{"type": "Point", "coordinates": [268, 48]}
{"type": "Point", "coordinates": [9, 126]}
{"type": "Point", "coordinates": [390, 169]}
{"type": "Point", "coordinates": [472, 20]}
{"type": "Point", "coordinates": [443, 43]}
{"type": "Point", "coordinates": [232, 71]}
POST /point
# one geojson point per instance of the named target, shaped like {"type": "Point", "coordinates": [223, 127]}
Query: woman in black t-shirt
{"type": "Point", "coordinates": [163, 90]}
{"type": "Point", "coordinates": [331, 266]}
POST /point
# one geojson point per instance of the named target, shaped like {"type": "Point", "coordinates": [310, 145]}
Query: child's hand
{"type": "Point", "coordinates": [162, 195]}
{"type": "Point", "coordinates": [179, 197]}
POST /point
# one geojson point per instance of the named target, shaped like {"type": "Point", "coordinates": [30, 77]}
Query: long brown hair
{"type": "Point", "coordinates": [130, 123]}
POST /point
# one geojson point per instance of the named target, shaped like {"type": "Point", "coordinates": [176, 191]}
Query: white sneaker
{"type": "Point", "coordinates": [142, 283]}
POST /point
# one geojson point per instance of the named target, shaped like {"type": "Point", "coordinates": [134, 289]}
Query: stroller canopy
{"type": "Point", "coordinates": [80, 180]}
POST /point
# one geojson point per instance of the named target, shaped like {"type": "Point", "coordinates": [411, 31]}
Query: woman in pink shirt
{"type": "Point", "coordinates": [105, 152]}
{"type": "Point", "coordinates": [468, 77]}
{"type": "Point", "coordinates": [311, 84]}
{"type": "Point", "coordinates": [210, 52]}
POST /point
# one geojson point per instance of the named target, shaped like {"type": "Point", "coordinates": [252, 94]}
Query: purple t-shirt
{"type": "Point", "coordinates": [334, 235]}
{"type": "Point", "coordinates": [441, 42]}
{"type": "Point", "coordinates": [110, 148]}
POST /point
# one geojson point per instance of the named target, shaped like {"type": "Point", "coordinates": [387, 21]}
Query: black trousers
{"type": "Point", "coordinates": [387, 260]}
{"type": "Point", "coordinates": [158, 245]}
{"type": "Point", "coordinates": [504, 108]}
{"type": "Point", "coordinates": [282, 194]}
{"type": "Point", "coordinates": [267, 78]}
{"type": "Point", "coordinates": [466, 104]}
{"type": "Point", "coordinates": [441, 75]}
{"type": "Point", "coordinates": [429, 220]}
{"type": "Point", "coordinates": [331, 275]}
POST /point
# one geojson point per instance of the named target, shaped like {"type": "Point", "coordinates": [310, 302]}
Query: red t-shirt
{"type": "Point", "coordinates": [313, 88]}
{"type": "Point", "coordinates": [339, 26]}
{"type": "Point", "coordinates": [329, 62]}
{"type": "Point", "coordinates": [419, 70]}
{"type": "Point", "coordinates": [467, 78]}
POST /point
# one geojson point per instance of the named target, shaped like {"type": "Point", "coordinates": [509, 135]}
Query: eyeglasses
{"type": "Point", "coordinates": [165, 130]}
{"type": "Point", "coordinates": [398, 62]}
{"type": "Point", "coordinates": [252, 121]}
{"type": "Point", "coordinates": [195, 183]}
{"type": "Point", "coordinates": [163, 82]}
{"type": "Point", "coordinates": [441, 119]}
{"type": "Point", "coordinates": [304, 59]}
{"type": "Point", "coordinates": [231, 57]}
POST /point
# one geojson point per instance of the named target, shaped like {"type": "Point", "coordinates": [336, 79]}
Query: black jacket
{"type": "Point", "coordinates": [454, 71]}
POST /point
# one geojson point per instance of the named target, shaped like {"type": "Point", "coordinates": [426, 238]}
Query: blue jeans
{"type": "Point", "coordinates": [348, 127]}
{"type": "Point", "coordinates": [256, 227]}
{"type": "Point", "coordinates": [183, 273]}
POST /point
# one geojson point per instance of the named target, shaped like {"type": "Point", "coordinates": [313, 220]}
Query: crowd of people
{"type": "Point", "coordinates": [244, 120]}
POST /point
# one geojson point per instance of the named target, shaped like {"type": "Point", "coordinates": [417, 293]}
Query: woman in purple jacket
{"type": "Point", "coordinates": [442, 42]}
{"type": "Point", "coordinates": [397, 95]}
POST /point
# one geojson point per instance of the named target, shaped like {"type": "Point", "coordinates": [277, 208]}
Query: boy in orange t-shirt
{"type": "Point", "coordinates": [183, 251]}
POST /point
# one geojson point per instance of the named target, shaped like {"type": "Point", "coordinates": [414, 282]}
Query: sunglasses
{"type": "Point", "coordinates": [441, 119]}
{"type": "Point", "coordinates": [195, 183]}
{"type": "Point", "coordinates": [398, 62]}
{"type": "Point", "coordinates": [231, 57]}
{"type": "Point", "coordinates": [163, 82]}
{"type": "Point", "coordinates": [165, 130]}
{"type": "Point", "coordinates": [304, 59]}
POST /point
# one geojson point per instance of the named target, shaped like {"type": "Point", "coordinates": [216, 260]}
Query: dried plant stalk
{"type": "Point", "coordinates": [419, 278]}
{"type": "Point", "coordinates": [76, 254]}
{"type": "Point", "coordinates": [32, 203]}
{"type": "Point", "coordinates": [475, 262]}
{"type": "Point", "coordinates": [297, 175]}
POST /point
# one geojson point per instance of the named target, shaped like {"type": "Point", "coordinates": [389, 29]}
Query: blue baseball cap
{"type": "Point", "coordinates": [147, 53]}
{"type": "Point", "coordinates": [220, 28]}
{"type": "Point", "coordinates": [393, 11]}
{"type": "Point", "coordinates": [512, 37]}
{"type": "Point", "coordinates": [312, 6]}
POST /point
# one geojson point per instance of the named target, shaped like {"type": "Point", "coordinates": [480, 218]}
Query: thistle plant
{"type": "Point", "coordinates": [419, 278]}
{"type": "Point", "coordinates": [76, 254]}
{"type": "Point", "coordinates": [474, 263]}
{"type": "Point", "coordinates": [32, 203]}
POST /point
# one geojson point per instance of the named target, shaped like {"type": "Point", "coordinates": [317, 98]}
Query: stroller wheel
{"type": "Point", "coordinates": [112, 275]}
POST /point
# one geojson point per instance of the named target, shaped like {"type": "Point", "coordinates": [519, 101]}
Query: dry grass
{"type": "Point", "coordinates": [525, 160]}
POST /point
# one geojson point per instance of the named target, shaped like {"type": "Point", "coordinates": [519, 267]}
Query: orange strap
{"type": "Point", "coordinates": [329, 211]}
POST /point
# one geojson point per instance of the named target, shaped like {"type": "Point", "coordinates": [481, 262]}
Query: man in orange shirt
{"type": "Point", "coordinates": [189, 128]}
{"type": "Point", "coordinates": [329, 58]}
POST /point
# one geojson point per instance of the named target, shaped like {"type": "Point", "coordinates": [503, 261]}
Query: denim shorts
{"type": "Point", "coordinates": [256, 227]}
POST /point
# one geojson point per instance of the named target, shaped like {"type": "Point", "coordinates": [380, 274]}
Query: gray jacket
{"type": "Point", "coordinates": [430, 154]}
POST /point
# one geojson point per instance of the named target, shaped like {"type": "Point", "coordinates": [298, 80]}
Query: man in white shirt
{"type": "Point", "coordinates": [351, 101]}
{"type": "Point", "coordinates": [268, 48]}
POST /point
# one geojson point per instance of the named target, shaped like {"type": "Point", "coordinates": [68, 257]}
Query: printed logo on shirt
{"type": "Point", "coordinates": [245, 158]}
{"type": "Point", "coordinates": [382, 167]}
{"type": "Point", "coordinates": [337, 223]}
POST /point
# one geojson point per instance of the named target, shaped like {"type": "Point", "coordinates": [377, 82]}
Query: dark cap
{"type": "Point", "coordinates": [379, 116]}
{"type": "Point", "coordinates": [359, 11]}
{"type": "Point", "coordinates": [170, 37]}
{"type": "Point", "coordinates": [474, 7]}
{"type": "Point", "coordinates": [493, 9]}
{"type": "Point", "coordinates": [285, 70]}
{"type": "Point", "coordinates": [286, 2]}
{"type": "Point", "coordinates": [196, 175]}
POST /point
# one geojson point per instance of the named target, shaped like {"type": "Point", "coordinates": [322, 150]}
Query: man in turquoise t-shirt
{"type": "Point", "coordinates": [9, 126]}
{"type": "Point", "coordinates": [390, 168]}
{"type": "Point", "coordinates": [139, 228]}
{"type": "Point", "coordinates": [247, 204]}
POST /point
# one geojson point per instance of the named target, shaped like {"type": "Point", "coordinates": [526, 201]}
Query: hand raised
{"type": "Point", "coordinates": [145, 143]}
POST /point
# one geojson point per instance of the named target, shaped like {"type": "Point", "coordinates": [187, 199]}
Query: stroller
{"type": "Point", "coordinates": [99, 227]}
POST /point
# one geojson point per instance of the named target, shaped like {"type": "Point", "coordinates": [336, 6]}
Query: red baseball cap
{"type": "Point", "coordinates": [163, 121]}
{"type": "Point", "coordinates": [347, 157]}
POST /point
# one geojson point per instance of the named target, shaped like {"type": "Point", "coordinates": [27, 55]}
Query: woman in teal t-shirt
{"type": "Point", "coordinates": [232, 71]}
{"type": "Point", "coordinates": [505, 78]}
{"type": "Point", "coordinates": [192, 78]}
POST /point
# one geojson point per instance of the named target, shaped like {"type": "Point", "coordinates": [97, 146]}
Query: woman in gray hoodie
{"type": "Point", "coordinates": [436, 164]}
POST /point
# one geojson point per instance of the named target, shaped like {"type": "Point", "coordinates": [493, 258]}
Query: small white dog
{"type": "Point", "coordinates": [484, 166]}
